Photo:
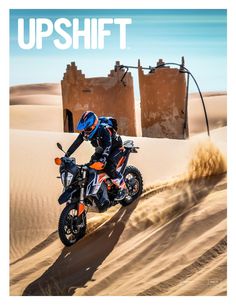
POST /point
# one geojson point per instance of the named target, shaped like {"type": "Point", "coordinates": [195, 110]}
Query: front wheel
{"type": "Point", "coordinates": [71, 227]}
{"type": "Point", "coordinates": [134, 183]}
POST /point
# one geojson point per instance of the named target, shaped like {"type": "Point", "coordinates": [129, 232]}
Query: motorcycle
{"type": "Point", "coordinates": [84, 187]}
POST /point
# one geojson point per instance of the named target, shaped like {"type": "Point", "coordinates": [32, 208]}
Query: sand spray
{"type": "Point", "coordinates": [183, 192]}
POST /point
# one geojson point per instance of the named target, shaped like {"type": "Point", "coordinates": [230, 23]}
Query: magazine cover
{"type": "Point", "coordinates": [118, 162]}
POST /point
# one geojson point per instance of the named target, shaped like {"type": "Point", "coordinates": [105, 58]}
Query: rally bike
{"type": "Point", "coordinates": [84, 187]}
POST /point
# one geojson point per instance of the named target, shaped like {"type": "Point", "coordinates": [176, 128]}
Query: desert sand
{"type": "Point", "coordinates": [172, 241]}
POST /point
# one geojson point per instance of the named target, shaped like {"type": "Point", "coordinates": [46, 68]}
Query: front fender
{"type": "Point", "coordinates": [66, 195]}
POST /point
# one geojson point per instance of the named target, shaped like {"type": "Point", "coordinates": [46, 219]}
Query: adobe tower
{"type": "Point", "coordinates": [106, 96]}
{"type": "Point", "coordinates": [163, 102]}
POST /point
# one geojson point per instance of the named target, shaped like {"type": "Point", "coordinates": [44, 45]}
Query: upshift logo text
{"type": "Point", "coordinates": [89, 33]}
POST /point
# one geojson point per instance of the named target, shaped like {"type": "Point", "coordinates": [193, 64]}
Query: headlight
{"type": "Point", "coordinates": [66, 178]}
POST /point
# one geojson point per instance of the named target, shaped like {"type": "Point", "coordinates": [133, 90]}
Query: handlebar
{"type": "Point", "coordinates": [134, 149]}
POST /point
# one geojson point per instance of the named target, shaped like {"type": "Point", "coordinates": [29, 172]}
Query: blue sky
{"type": "Point", "coordinates": [198, 35]}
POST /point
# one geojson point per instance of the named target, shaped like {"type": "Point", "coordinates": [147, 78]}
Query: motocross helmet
{"type": "Point", "coordinates": [88, 124]}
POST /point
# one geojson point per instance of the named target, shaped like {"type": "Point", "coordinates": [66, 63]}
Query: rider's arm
{"type": "Point", "coordinates": [75, 145]}
{"type": "Point", "coordinates": [107, 143]}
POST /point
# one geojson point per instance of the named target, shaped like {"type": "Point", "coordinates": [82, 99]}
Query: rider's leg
{"type": "Point", "coordinates": [116, 177]}
{"type": "Point", "coordinates": [111, 165]}
{"type": "Point", "coordinates": [103, 198]}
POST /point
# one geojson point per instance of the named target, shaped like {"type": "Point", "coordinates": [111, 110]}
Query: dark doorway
{"type": "Point", "coordinates": [68, 121]}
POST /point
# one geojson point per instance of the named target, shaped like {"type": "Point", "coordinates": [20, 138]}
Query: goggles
{"type": "Point", "coordinates": [89, 129]}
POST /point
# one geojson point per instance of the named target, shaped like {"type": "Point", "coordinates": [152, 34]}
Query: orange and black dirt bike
{"type": "Point", "coordinates": [84, 187]}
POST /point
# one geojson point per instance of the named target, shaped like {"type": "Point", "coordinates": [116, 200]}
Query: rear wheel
{"type": "Point", "coordinates": [134, 183]}
{"type": "Point", "coordinates": [71, 227]}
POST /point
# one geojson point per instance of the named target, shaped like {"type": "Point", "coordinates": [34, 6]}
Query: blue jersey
{"type": "Point", "coordinates": [105, 137]}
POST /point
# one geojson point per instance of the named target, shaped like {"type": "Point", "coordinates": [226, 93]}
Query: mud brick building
{"type": "Point", "coordinates": [163, 102]}
{"type": "Point", "coordinates": [106, 96]}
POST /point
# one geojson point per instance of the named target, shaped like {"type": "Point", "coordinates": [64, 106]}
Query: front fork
{"type": "Point", "coordinates": [80, 204]}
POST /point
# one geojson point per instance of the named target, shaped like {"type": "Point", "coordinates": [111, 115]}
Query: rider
{"type": "Point", "coordinates": [108, 148]}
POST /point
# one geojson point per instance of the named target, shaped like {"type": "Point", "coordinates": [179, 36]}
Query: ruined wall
{"type": "Point", "coordinates": [106, 96]}
{"type": "Point", "coordinates": [163, 93]}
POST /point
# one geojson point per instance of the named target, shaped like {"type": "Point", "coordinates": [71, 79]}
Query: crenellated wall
{"type": "Point", "coordinates": [106, 96]}
{"type": "Point", "coordinates": [163, 99]}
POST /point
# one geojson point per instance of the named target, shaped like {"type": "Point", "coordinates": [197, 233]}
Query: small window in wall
{"type": "Point", "coordinates": [68, 123]}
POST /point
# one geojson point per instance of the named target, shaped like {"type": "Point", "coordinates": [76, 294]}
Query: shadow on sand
{"type": "Point", "coordinates": [76, 265]}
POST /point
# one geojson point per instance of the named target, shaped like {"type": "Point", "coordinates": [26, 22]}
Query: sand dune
{"type": "Point", "coordinates": [40, 99]}
{"type": "Point", "coordinates": [216, 106]}
{"type": "Point", "coordinates": [36, 117]}
{"type": "Point", "coordinates": [36, 94]}
{"type": "Point", "coordinates": [35, 89]}
{"type": "Point", "coordinates": [186, 217]}
{"type": "Point", "coordinates": [207, 94]}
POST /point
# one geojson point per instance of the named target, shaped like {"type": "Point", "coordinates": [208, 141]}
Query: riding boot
{"type": "Point", "coordinates": [123, 191]}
